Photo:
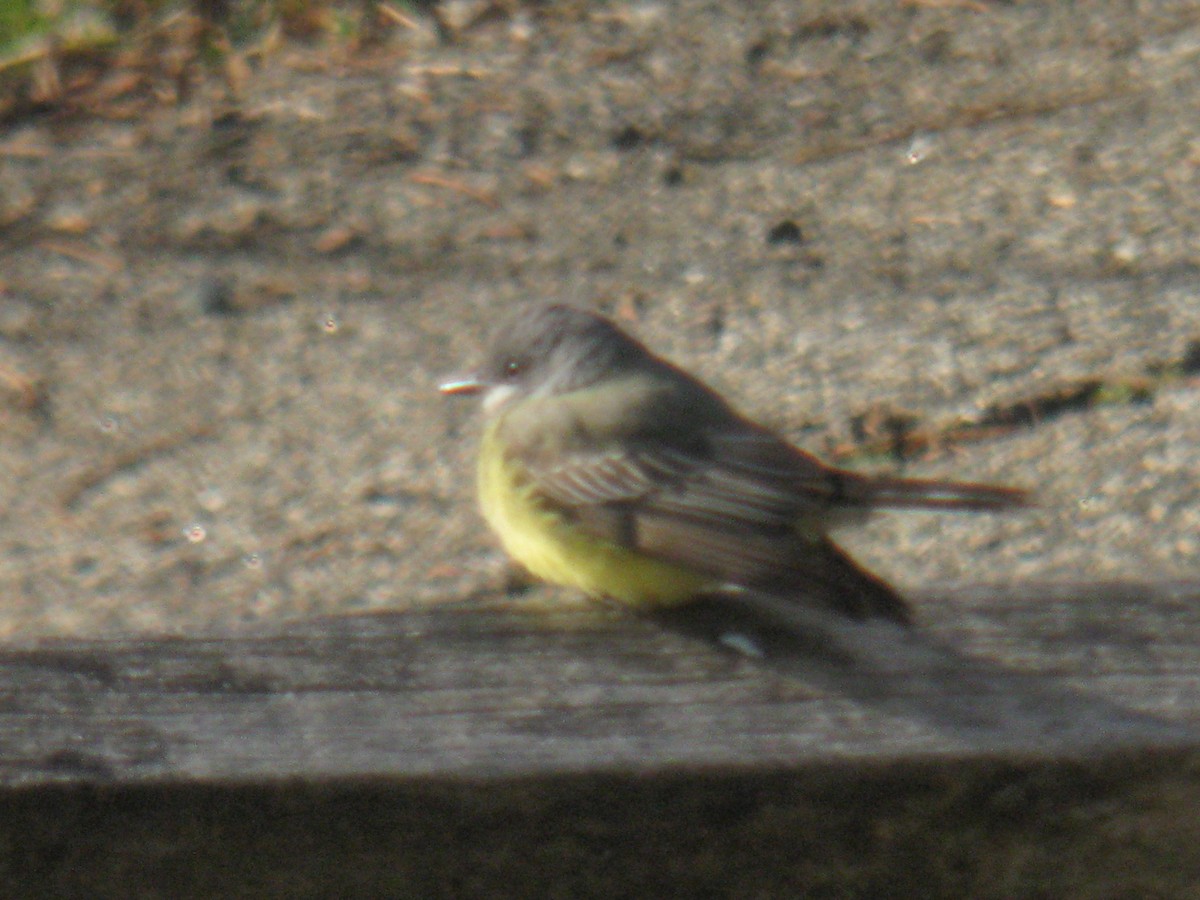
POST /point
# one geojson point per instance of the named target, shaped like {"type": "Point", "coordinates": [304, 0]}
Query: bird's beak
{"type": "Point", "coordinates": [466, 384]}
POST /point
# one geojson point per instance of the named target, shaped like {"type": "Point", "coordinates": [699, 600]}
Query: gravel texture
{"type": "Point", "coordinates": [222, 319]}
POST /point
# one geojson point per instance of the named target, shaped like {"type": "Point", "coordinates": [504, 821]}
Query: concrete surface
{"type": "Point", "coordinates": [222, 319]}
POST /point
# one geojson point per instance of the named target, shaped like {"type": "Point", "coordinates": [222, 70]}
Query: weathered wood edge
{"type": "Point", "coordinates": [477, 690]}
{"type": "Point", "coordinates": [486, 751]}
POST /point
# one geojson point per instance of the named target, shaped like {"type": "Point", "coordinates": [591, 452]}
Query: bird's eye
{"type": "Point", "coordinates": [513, 368]}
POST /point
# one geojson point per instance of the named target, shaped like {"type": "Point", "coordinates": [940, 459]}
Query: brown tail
{"type": "Point", "coordinates": [916, 493]}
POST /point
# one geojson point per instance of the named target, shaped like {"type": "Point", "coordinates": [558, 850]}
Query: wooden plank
{"type": "Point", "coordinates": [481, 691]}
{"type": "Point", "coordinates": [1023, 744]}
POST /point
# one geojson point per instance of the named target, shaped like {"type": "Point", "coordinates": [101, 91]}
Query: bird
{"type": "Point", "coordinates": [606, 468]}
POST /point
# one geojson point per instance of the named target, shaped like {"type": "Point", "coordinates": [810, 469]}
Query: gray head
{"type": "Point", "coordinates": [550, 349]}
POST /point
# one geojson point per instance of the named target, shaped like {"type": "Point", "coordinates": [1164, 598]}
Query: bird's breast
{"type": "Point", "coordinates": [543, 538]}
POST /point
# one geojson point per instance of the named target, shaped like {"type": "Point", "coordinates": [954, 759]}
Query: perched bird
{"type": "Point", "coordinates": [606, 468]}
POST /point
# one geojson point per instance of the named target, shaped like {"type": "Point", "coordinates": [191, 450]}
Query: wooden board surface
{"type": "Point", "coordinates": [1024, 744]}
{"type": "Point", "coordinates": [479, 691]}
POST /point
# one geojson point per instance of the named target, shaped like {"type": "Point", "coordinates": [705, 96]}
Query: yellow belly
{"type": "Point", "coordinates": [553, 549]}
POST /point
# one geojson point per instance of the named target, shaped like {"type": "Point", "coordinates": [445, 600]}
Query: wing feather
{"type": "Point", "coordinates": [724, 496]}
{"type": "Point", "coordinates": [737, 516]}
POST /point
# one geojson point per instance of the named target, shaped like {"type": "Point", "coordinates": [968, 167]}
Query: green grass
{"type": "Point", "coordinates": [20, 19]}
{"type": "Point", "coordinates": [47, 43]}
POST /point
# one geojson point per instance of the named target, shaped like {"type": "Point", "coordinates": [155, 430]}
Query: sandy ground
{"type": "Point", "coordinates": [222, 320]}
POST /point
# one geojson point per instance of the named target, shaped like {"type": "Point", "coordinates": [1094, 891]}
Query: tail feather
{"type": "Point", "coordinates": [915, 493]}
